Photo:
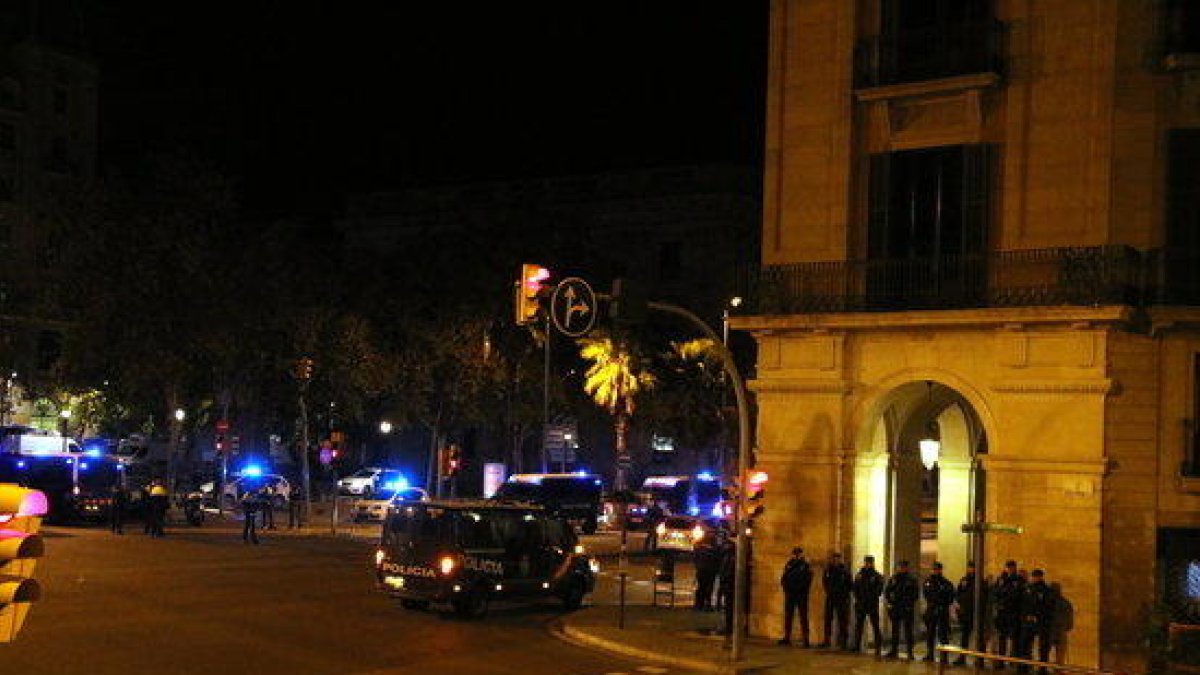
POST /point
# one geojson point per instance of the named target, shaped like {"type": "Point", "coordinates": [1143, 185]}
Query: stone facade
{"type": "Point", "coordinates": [1070, 409]}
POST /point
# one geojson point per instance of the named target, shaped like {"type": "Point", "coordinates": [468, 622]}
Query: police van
{"type": "Point", "coordinates": [467, 553]}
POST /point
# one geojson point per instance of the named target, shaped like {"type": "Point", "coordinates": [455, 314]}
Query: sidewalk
{"type": "Point", "coordinates": [680, 637]}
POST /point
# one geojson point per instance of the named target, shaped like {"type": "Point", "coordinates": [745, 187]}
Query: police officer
{"type": "Point", "coordinates": [159, 500]}
{"type": "Point", "coordinates": [836, 581]}
{"type": "Point", "coordinates": [901, 595]}
{"type": "Point", "coordinates": [654, 516]}
{"type": "Point", "coordinates": [725, 553]}
{"type": "Point", "coordinates": [249, 507]}
{"type": "Point", "coordinates": [116, 510]}
{"type": "Point", "coordinates": [796, 581]}
{"type": "Point", "coordinates": [867, 587]}
{"type": "Point", "coordinates": [1038, 605]}
{"type": "Point", "coordinates": [939, 595]}
{"type": "Point", "coordinates": [964, 600]}
{"type": "Point", "coordinates": [1006, 598]}
{"type": "Point", "coordinates": [267, 506]}
{"type": "Point", "coordinates": [708, 564]}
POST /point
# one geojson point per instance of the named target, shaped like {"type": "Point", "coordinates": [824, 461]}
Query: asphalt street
{"type": "Point", "coordinates": [200, 601]}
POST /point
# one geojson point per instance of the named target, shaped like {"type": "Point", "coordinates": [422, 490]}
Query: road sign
{"type": "Point", "coordinates": [559, 442]}
{"type": "Point", "coordinates": [1002, 528]}
{"type": "Point", "coordinates": [573, 307]}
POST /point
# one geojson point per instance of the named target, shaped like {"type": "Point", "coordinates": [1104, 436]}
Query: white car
{"type": "Point", "coordinates": [374, 508]}
{"type": "Point", "coordinates": [234, 489]}
{"type": "Point", "coordinates": [362, 482]}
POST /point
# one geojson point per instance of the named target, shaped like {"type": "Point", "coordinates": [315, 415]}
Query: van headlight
{"type": "Point", "coordinates": [380, 556]}
{"type": "Point", "coordinates": [594, 566]}
{"type": "Point", "coordinates": [579, 550]}
{"type": "Point", "coordinates": [661, 529]}
{"type": "Point", "coordinates": [446, 565]}
{"type": "Point", "coordinates": [697, 533]}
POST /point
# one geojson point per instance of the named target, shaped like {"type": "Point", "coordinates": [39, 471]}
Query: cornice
{"type": "Point", "coordinates": [795, 385]}
{"type": "Point", "coordinates": [1096, 386]}
{"type": "Point", "coordinates": [1008, 318]}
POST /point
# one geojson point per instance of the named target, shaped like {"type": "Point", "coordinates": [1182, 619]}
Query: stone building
{"type": "Point", "coordinates": [980, 230]}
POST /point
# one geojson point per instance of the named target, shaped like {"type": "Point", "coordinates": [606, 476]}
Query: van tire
{"type": "Point", "coordinates": [474, 605]}
{"type": "Point", "coordinates": [416, 605]}
{"type": "Point", "coordinates": [572, 597]}
{"type": "Point", "coordinates": [589, 527]}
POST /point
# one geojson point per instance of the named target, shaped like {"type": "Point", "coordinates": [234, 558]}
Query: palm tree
{"type": "Point", "coordinates": [613, 380]}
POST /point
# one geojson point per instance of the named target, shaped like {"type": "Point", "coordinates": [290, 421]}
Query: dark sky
{"type": "Point", "coordinates": [305, 100]}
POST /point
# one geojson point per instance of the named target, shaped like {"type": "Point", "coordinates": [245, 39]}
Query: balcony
{"type": "Point", "coordinates": [1087, 276]}
{"type": "Point", "coordinates": [934, 53]}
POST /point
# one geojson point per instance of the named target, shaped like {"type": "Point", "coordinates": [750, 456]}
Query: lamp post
{"type": "Point", "coordinates": [176, 428]}
{"type": "Point", "coordinates": [64, 417]}
{"type": "Point", "coordinates": [732, 303]}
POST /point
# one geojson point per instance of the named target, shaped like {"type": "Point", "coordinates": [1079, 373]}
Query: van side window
{"type": "Point", "coordinates": [477, 530]}
{"type": "Point", "coordinates": [559, 534]}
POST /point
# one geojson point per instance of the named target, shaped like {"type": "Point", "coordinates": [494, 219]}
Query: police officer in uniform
{"type": "Point", "coordinates": [116, 510]}
{"type": "Point", "coordinates": [836, 581]}
{"type": "Point", "coordinates": [249, 508]}
{"type": "Point", "coordinates": [796, 581]}
{"type": "Point", "coordinates": [964, 599]}
{"type": "Point", "coordinates": [939, 595]}
{"type": "Point", "coordinates": [708, 564]}
{"type": "Point", "coordinates": [867, 587]}
{"type": "Point", "coordinates": [1038, 605]}
{"type": "Point", "coordinates": [901, 595]}
{"type": "Point", "coordinates": [1006, 598]}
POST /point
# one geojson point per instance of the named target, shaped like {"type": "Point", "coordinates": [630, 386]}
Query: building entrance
{"type": "Point", "coordinates": [918, 480]}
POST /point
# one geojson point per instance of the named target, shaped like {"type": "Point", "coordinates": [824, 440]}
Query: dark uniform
{"type": "Point", "coordinates": [708, 564]}
{"type": "Point", "coordinates": [796, 581]}
{"type": "Point", "coordinates": [249, 508]}
{"type": "Point", "coordinates": [116, 510]}
{"type": "Point", "coordinates": [654, 516]}
{"type": "Point", "coordinates": [267, 506]}
{"type": "Point", "coordinates": [867, 587]}
{"type": "Point", "coordinates": [1038, 605]}
{"type": "Point", "coordinates": [901, 595]}
{"type": "Point", "coordinates": [836, 581]}
{"type": "Point", "coordinates": [939, 595]}
{"type": "Point", "coordinates": [725, 576]}
{"type": "Point", "coordinates": [1006, 598]}
{"type": "Point", "coordinates": [964, 598]}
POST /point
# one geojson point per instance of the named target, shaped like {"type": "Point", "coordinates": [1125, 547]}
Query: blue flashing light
{"type": "Point", "coordinates": [120, 467]}
{"type": "Point", "coordinates": [581, 472]}
{"type": "Point", "coordinates": [83, 466]}
{"type": "Point", "coordinates": [706, 476]}
{"type": "Point", "coordinates": [598, 482]}
{"type": "Point", "coordinates": [70, 460]}
{"type": "Point", "coordinates": [717, 511]}
{"type": "Point", "coordinates": [400, 483]}
{"type": "Point", "coordinates": [693, 510]}
{"type": "Point", "coordinates": [252, 470]}
{"type": "Point", "coordinates": [21, 464]}
{"type": "Point", "coordinates": [93, 452]}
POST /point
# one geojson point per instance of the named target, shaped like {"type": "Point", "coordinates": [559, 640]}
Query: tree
{"type": "Point", "coordinates": [687, 402]}
{"type": "Point", "coordinates": [614, 379]}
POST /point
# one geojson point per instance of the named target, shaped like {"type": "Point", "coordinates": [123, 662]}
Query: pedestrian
{"type": "Point", "coordinates": [837, 582]}
{"type": "Point", "coordinates": [267, 506]}
{"type": "Point", "coordinates": [964, 602]}
{"type": "Point", "coordinates": [293, 511]}
{"type": "Point", "coordinates": [796, 581]}
{"type": "Point", "coordinates": [249, 507]}
{"type": "Point", "coordinates": [901, 595]}
{"type": "Point", "coordinates": [939, 596]}
{"type": "Point", "coordinates": [654, 516]}
{"type": "Point", "coordinates": [1006, 598]}
{"type": "Point", "coordinates": [867, 587]}
{"type": "Point", "coordinates": [707, 559]}
{"type": "Point", "coordinates": [1039, 603]}
{"type": "Point", "coordinates": [159, 501]}
{"type": "Point", "coordinates": [116, 509]}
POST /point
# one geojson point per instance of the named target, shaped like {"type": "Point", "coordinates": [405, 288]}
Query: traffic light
{"type": "Point", "coordinates": [219, 444]}
{"type": "Point", "coordinates": [21, 512]}
{"type": "Point", "coordinates": [454, 463]}
{"type": "Point", "coordinates": [756, 484]}
{"type": "Point", "coordinates": [529, 288]}
{"type": "Point", "coordinates": [629, 302]}
{"type": "Point", "coordinates": [304, 369]}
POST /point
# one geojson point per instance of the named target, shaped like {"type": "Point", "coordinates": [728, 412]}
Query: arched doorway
{"type": "Point", "coordinates": [910, 504]}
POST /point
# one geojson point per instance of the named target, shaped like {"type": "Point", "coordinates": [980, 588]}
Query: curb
{"type": "Point", "coordinates": [570, 633]}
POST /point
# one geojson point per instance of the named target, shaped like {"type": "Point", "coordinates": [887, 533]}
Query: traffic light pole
{"type": "Point", "coordinates": [307, 478]}
{"type": "Point", "coordinates": [741, 576]}
{"type": "Point", "coordinates": [546, 396]}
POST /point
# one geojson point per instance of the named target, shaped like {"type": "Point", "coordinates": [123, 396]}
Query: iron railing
{"type": "Point", "coordinates": [932, 53]}
{"type": "Point", "coordinates": [1099, 275]}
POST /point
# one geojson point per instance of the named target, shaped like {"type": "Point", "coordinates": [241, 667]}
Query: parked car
{"type": "Point", "coordinates": [681, 533]}
{"type": "Point", "coordinates": [234, 489]}
{"type": "Point", "coordinates": [374, 508]}
{"type": "Point", "coordinates": [362, 482]}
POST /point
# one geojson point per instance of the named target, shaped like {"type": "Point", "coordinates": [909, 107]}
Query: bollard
{"type": "Point", "coordinates": [621, 611]}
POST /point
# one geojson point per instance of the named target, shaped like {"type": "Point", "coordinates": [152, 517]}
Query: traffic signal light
{"type": "Point", "coordinates": [219, 444]}
{"type": "Point", "coordinates": [629, 302]}
{"type": "Point", "coordinates": [304, 369]}
{"type": "Point", "coordinates": [528, 290]}
{"type": "Point", "coordinates": [756, 484]}
{"type": "Point", "coordinates": [21, 512]}
{"type": "Point", "coordinates": [455, 461]}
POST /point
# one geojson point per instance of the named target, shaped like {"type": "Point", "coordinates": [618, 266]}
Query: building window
{"type": "Point", "coordinates": [1181, 275]}
{"type": "Point", "coordinates": [670, 261]}
{"type": "Point", "coordinates": [928, 226]}
{"type": "Point", "coordinates": [1181, 27]}
{"type": "Point", "coordinates": [930, 39]}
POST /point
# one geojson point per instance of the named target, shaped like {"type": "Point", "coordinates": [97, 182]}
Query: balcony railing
{"type": "Point", "coordinates": [1100, 275]}
{"type": "Point", "coordinates": [932, 53]}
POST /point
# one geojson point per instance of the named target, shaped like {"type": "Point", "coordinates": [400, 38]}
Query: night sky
{"type": "Point", "coordinates": [305, 100]}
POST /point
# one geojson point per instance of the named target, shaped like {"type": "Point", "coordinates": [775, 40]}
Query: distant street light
{"type": "Point", "coordinates": [65, 413]}
{"type": "Point", "coordinates": [180, 414]}
{"type": "Point", "coordinates": [385, 427]}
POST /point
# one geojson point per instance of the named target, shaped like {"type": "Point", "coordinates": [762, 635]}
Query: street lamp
{"type": "Point", "coordinates": [385, 427]}
{"type": "Point", "coordinates": [734, 303]}
{"type": "Point", "coordinates": [180, 414]}
{"type": "Point", "coordinates": [930, 450]}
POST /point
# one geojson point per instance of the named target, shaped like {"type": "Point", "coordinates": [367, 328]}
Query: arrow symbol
{"type": "Point", "coordinates": [574, 306]}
